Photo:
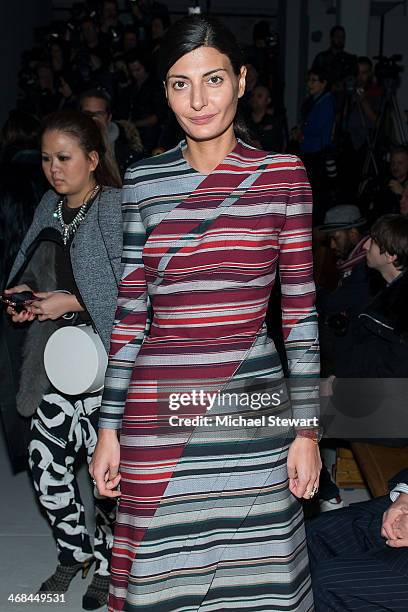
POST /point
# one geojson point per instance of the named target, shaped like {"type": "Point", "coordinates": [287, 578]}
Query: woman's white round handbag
{"type": "Point", "coordinates": [75, 360]}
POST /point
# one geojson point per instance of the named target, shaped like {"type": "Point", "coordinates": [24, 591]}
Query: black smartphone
{"type": "Point", "coordinates": [18, 301]}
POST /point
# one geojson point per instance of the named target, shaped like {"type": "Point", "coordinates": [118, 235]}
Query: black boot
{"type": "Point", "coordinates": [97, 593]}
{"type": "Point", "coordinates": [63, 576]}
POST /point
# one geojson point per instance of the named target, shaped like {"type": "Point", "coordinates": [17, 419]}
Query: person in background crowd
{"type": "Point", "coordinates": [130, 39]}
{"type": "Point", "coordinates": [335, 61]}
{"type": "Point", "coordinates": [345, 229]}
{"type": "Point", "coordinates": [251, 82]}
{"type": "Point", "coordinates": [159, 26]}
{"type": "Point", "coordinates": [399, 171]}
{"type": "Point", "coordinates": [22, 184]}
{"type": "Point", "coordinates": [359, 556]}
{"type": "Point", "coordinates": [315, 139]}
{"type": "Point", "coordinates": [390, 185]}
{"type": "Point", "coordinates": [47, 98]}
{"type": "Point", "coordinates": [69, 272]}
{"type": "Point", "coordinates": [122, 136]}
{"type": "Point", "coordinates": [360, 116]}
{"type": "Point", "coordinates": [379, 348]}
{"type": "Point", "coordinates": [265, 122]}
{"type": "Point", "coordinates": [110, 18]}
{"type": "Point", "coordinates": [142, 102]}
{"type": "Point", "coordinates": [404, 202]}
{"type": "Point", "coordinates": [59, 56]}
{"type": "Point", "coordinates": [262, 54]}
{"type": "Point", "coordinates": [92, 43]}
{"type": "Point", "coordinates": [142, 12]}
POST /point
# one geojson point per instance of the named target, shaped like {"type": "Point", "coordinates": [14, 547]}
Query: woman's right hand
{"type": "Point", "coordinates": [24, 315]}
{"type": "Point", "coordinates": [104, 467]}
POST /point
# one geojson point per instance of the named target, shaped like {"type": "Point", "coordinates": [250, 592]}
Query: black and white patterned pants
{"type": "Point", "coordinates": [60, 427]}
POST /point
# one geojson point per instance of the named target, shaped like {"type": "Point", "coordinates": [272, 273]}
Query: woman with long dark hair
{"type": "Point", "coordinates": [70, 260]}
{"type": "Point", "coordinates": [208, 517]}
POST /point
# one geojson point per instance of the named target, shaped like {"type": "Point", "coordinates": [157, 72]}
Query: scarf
{"type": "Point", "coordinates": [358, 254]}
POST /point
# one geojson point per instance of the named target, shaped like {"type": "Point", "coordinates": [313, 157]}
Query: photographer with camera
{"type": "Point", "coordinates": [360, 116]}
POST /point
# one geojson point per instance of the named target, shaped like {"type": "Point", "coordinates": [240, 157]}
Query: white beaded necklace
{"type": "Point", "coordinates": [69, 229]}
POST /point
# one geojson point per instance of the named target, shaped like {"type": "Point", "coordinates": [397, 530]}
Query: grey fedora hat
{"type": "Point", "coordinates": [343, 216]}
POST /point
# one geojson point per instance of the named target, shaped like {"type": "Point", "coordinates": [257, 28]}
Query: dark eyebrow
{"type": "Point", "coordinates": [182, 76]}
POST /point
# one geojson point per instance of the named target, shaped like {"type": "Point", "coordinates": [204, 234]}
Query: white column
{"type": "Point", "coordinates": [354, 16]}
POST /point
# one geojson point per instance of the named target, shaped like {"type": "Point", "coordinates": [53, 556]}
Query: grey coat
{"type": "Point", "coordinates": [96, 252]}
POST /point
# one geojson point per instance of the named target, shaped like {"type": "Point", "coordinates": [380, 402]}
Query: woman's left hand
{"type": "Point", "coordinates": [304, 465]}
{"type": "Point", "coordinates": [53, 305]}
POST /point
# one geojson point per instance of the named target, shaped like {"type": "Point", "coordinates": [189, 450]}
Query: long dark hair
{"type": "Point", "coordinates": [90, 138]}
{"type": "Point", "coordinates": [196, 31]}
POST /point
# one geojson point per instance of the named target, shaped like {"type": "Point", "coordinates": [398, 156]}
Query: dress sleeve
{"type": "Point", "coordinates": [132, 317]}
{"type": "Point", "coordinates": [299, 317]}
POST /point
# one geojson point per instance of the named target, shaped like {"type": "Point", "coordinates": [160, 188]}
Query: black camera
{"type": "Point", "coordinates": [387, 70]}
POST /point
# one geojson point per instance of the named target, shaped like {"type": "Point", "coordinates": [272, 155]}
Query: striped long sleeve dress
{"type": "Point", "coordinates": [206, 521]}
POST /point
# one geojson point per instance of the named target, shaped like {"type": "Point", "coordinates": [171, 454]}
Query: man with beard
{"type": "Point", "coordinates": [345, 229]}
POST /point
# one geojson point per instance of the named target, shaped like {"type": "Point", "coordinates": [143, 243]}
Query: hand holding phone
{"type": "Point", "coordinates": [16, 299]}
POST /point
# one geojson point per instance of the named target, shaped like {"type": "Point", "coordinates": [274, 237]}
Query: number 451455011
{"type": "Point", "coordinates": [36, 598]}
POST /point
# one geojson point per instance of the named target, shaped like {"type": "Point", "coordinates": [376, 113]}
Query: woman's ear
{"type": "Point", "coordinates": [94, 160]}
{"type": "Point", "coordinates": [242, 81]}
